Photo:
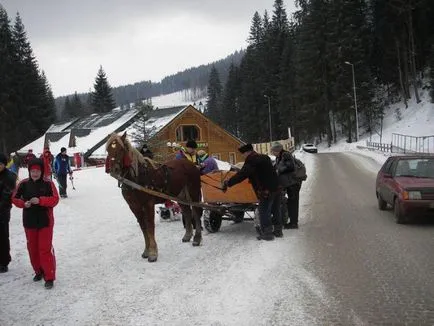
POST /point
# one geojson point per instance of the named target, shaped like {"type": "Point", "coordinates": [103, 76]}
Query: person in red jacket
{"type": "Point", "coordinates": [48, 159]}
{"type": "Point", "coordinates": [37, 196]}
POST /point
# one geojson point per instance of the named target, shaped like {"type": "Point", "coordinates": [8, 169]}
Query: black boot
{"type": "Point", "coordinates": [49, 284]}
{"type": "Point", "coordinates": [38, 276]}
{"type": "Point", "coordinates": [3, 268]}
{"type": "Point", "coordinates": [267, 234]}
{"type": "Point", "coordinates": [278, 233]}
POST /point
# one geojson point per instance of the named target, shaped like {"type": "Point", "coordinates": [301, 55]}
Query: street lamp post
{"type": "Point", "coordinates": [355, 100]}
{"type": "Point", "coordinates": [269, 117]}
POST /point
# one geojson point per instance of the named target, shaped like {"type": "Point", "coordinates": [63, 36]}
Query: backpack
{"type": "Point", "coordinates": [300, 170]}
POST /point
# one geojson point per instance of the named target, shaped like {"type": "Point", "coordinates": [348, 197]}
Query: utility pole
{"type": "Point", "coordinates": [269, 118]}
{"type": "Point", "coordinates": [355, 99]}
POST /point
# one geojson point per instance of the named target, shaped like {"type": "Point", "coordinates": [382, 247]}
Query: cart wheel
{"type": "Point", "coordinates": [238, 217]}
{"type": "Point", "coordinates": [212, 221]}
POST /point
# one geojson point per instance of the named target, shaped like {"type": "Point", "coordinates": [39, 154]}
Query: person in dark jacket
{"type": "Point", "coordinates": [62, 169]}
{"type": "Point", "coordinates": [37, 196]}
{"type": "Point", "coordinates": [146, 152]}
{"type": "Point", "coordinates": [285, 167]}
{"type": "Point", "coordinates": [259, 169]}
{"type": "Point", "coordinates": [7, 186]}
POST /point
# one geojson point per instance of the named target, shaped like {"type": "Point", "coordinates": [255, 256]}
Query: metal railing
{"type": "Point", "coordinates": [412, 144]}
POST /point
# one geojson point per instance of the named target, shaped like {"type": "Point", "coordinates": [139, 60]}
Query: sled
{"type": "Point", "coordinates": [233, 203]}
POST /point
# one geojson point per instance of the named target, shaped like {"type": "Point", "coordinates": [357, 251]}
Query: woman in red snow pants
{"type": "Point", "coordinates": [37, 196]}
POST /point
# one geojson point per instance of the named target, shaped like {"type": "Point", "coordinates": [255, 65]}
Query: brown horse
{"type": "Point", "coordinates": [178, 178]}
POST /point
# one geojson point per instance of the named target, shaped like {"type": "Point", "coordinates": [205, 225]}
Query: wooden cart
{"type": "Point", "coordinates": [233, 203]}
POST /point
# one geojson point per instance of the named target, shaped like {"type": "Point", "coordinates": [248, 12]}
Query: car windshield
{"type": "Point", "coordinates": [417, 168]}
{"type": "Point", "coordinates": [309, 145]}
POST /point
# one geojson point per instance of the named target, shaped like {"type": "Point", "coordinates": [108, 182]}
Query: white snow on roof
{"type": "Point", "coordinates": [59, 127]}
{"type": "Point", "coordinates": [83, 143]}
{"type": "Point", "coordinates": [154, 125]}
{"type": "Point", "coordinates": [181, 98]}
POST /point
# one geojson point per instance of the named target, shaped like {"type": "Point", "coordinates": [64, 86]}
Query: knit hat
{"type": "Point", "coordinates": [63, 149]}
{"type": "Point", "coordinates": [3, 159]}
{"type": "Point", "coordinates": [245, 148]}
{"type": "Point", "coordinates": [201, 152]}
{"type": "Point", "coordinates": [191, 144]}
{"type": "Point", "coordinates": [35, 167]}
{"type": "Point", "coordinates": [36, 164]}
{"type": "Point", "coordinates": [276, 146]}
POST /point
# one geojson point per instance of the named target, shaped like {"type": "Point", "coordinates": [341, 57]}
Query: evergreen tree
{"type": "Point", "coordinates": [7, 96]}
{"type": "Point", "coordinates": [102, 97]}
{"type": "Point", "coordinates": [431, 66]}
{"type": "Point", "coordinates": [142, 131]}
{"type": "Point", "coordinates": [67, 109]}
{"type": "Point", "coordinates": [255, 30]}
{"type": "Point", "coordinates": [77, 106]}
{"type": "Point", "coordinates": [230, 105]}
{"type": "Point", "coordinates": [213, 105]}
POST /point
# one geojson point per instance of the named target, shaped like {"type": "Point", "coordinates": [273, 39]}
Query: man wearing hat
{"type": "Point", "coordinates": [259, 169]}
{"type": "Point", "coordinates": [189, 152]}
{"type": "Point", "coordinates": [285, 168]}
{"type": "Point", "coordinates": [7, 186]}
{"type": "Point", "coordinates": [62, 169]}
{"type": "Point", "coordinates": [146, 152]}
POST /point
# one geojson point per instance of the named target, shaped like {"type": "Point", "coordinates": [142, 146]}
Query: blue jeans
{"type": "Point", "coordinates": [268, 207]}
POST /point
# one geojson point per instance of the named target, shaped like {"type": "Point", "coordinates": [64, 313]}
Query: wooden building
{"type": "Point", "coordinates": [190, 123]}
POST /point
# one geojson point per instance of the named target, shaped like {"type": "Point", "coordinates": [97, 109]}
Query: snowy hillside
{"type": "Point", "coordinates": [231, 279]}
{"type": "Point", "coordinates": [416, 120]}
{"type": "Point", "coordinates": [178, 98]}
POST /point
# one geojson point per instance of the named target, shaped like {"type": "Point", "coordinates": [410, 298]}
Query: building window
{"type": "Point", "coordinates": [216, 156]}
{"type": "Point", "coordinates": [232, 158]}
{"type": "Point", "coordinates": [187, 132]}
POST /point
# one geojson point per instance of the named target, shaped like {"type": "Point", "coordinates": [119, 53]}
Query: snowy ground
{"type": "Point", "coordinates": [232, 279]}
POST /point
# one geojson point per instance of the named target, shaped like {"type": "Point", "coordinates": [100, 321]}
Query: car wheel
{"type": "Point", "coordinates": [382, 205]}
{"type": "Point", "coordinates": [399, 216]}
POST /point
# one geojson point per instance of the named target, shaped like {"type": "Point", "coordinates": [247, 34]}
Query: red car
{"type": "Point", "coordinates": [406, 183]}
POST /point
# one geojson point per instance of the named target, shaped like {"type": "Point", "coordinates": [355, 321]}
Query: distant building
{"type": "Point", "coordinates": [190, 123]}
{"type": "Point", "coordinates": [87, 136]}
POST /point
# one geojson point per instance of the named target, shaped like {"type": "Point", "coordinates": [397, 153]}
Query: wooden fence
{"type": "Point", "coordinates": [380, 146]}
{"type": "Point", "coordinates": [265, 148]}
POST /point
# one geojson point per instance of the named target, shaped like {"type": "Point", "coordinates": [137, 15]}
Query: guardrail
{"type": "Point", "coordinates": [412, 144]}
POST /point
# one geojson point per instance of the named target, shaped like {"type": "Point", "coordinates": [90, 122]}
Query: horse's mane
{"type": "Point", "coordinates": [135, 156]}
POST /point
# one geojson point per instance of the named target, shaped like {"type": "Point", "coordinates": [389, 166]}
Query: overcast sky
{"type": "Point", "coordinates": [133, 40]}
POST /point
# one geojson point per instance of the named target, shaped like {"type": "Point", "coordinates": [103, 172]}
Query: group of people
{"type": "Point", "coordinates": [205, 163]}
{"type": "Point", "coordinates": [276, 185]}
{"type": "Point", "coordinates": [37, 195]}
{"type": "Point", "coordinates": [271, 184]}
